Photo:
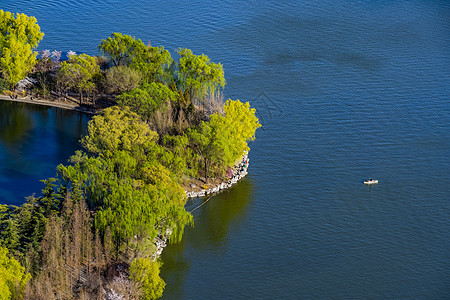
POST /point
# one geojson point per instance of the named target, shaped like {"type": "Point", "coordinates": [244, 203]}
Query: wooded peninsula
{"type": "Point", "coordinates": [162, 125]}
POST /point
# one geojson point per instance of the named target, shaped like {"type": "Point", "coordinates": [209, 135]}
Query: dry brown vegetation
{"type": "Point", "coordinates": [76, 264]}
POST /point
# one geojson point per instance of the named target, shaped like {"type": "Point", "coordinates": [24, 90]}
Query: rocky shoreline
{"type": "Point", "coordinates": [160, 243]}
{"type": "Point", "coordinates": [239, 172]}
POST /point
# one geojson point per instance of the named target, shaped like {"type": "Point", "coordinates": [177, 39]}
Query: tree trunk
{"type": "Point", "coordinates": [206, 168]}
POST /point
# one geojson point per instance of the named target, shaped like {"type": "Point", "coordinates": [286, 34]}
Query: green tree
{"type": "Point", "coordinates": [134, 195]}
{"type": "Point", "coordinates": [23, 227]}
{"type": "Point", "coordinates": [17, 60]}
{"type": "Point", "coordinates": [118, 48]}
{"type": "Point", "coordinates": [197, 76]}
{"type": "Point", "coordinates": [147, 99]}
{"type": "Point", "coordinates": [146, 272]}
{"type": "Point", "coordinates": [235, 129]}
{"type": "Point", "coordinates": [220, 142]}
{"type": "Point", "coordinates": [178, 157]}
{"type": "Point", "coordinates": [204, 140]}
{"type": "Point", "coordinates": [79, 72]}
{"type": "Point", "coordinates": [19, 36]}
{"type": "Point", "coordinates": [9, 232]}
{"type": "Point", "coordinates": [117, 129]}
{"type": "Point", "coordinates": [168, 201]}
{"type": "Point", "coordinates": [12, 277]}
{"type": "Point", "coordinates": [152, 62]}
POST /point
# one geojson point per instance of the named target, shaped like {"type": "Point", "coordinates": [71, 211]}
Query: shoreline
{"type": "Point", "coordinates": [68, 106]}
{"type": "Point", "coordinates": [240, 169]}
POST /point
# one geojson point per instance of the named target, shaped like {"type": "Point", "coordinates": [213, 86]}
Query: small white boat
{"type": "Point", "coordinates": [370, 181]}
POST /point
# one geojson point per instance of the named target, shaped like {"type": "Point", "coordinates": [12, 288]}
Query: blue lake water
{"type": "Point", "coordinates": [345, 91]}
{"type": "Point", "coordinates": [34, 139]}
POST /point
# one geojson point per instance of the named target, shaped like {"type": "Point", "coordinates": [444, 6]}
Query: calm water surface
{"type": "Point", "coordinates": [344, 91]}
{"type": "Point", "coordinates": [34, 139]}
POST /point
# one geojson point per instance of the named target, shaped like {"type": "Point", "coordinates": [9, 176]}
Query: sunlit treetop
{"type": "Point", "coordinates": [20, 26]}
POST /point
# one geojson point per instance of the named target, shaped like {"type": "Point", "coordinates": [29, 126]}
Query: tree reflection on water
{"type": "Point", "coordinates": [34, 139]}
{"type": "Point", "coordinates": [14, 122]}
{"type": "Point", "coordinates": [213, 222]}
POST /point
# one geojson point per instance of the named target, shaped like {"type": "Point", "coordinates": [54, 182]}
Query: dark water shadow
{"type": "Point", "coordinates": [213, 223]}
{"type": "Point", "coordinates": [15, 121]}
{"type": "Point", "coordinates": [34, 139]}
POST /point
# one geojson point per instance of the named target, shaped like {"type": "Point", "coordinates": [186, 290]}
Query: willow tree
{"type": "Point", "coordinates": [19, 36]}
{"type": "Point", "coordinates": [152, 62]}
{"type": "Point", "coordinates": [79, 72]}
{"type": "Point", "coordinates": [117, 47]}
{"type": "Point", "coordinates": [197, 76]}
{"type": "Point", "coordinates": [124, 50]}
{"type": "Point", "coordinates": [146, 272]}
{"type": "Point", "coordinates": [235, 129]}
{"type": "Point", "coordinates": [12, 277]}
{"type": "Point", "coordinates": [134, 194]}
{"type": "Point", "coordinates": [117, 129]}
{"type": "Point", "coordinates": [122, 79]}
{"type": "Point", "coordinates": [205, 142]}
{"type": "Point", "coordinates": [221, 141]}
{"type": "Point", "coordinates": [147, 99]}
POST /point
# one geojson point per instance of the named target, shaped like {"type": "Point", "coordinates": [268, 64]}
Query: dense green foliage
{"type": "Point", "coordinates": [118, 47]}
{"type": "Point", "coordinates": [125, 50]}
{"type": "Point", "coordinates": [222, 141]}
{"type": "Point", "coordinates": [23, 227]}
{"type": "Point", "coordinates": [152, 62]}
{"type": "Point", "coordinates": [235, 129]}
{"type": "Point", "coordinates": [19, 36]}
{"type": "Point", "coordinates": [79, 72]}
{"type": "Point", "coordinates": [115, 130]}
{"type": "Point", "coordinates": [197, 76]}
{"type": "Point", "coordinates": [107, 206]}
{"type": "Point", "coordinates": [146, 272]}
{"type": "Point", "coordinates": [12, 277]}
{"type": "Point", "coordinates": [148, 99]}
{"type": "Point", "coordinates": [136, 196]}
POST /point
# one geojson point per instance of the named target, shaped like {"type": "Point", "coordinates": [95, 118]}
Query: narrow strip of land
{"type": "Point", "coordinates": [64, 105]}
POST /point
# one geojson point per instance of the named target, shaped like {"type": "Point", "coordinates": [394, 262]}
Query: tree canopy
{"type": "Point", "coordinates": [19, 36]}
{"type": "Point", "coordinates": [118, 48]}
{"type": "Point", "coordinates": [117, 129]}
{"type": "Point", "coordinates": [124, 50]}
{"type": "Point", "coordinates": [152, 62]}
{"type": "Point", "coordinates": [12, 277]}
{"type": "Point", "coordinates": [122, 79]}
{"type": "Point", "coordinates": [79, 72]}
{"type": "Point", "coordinates": [223, 140]}
{"type": "Point", "coordinates": [146, 272]}
{"type": "Point", "coordinates": [123, 190]}
{"type": "Point", "coordinates": [235, 129]}
{"type": "Point", "coordinates": [122, 177]}
{"type": "Point", "coordinates": [197, 75]}
{"type": "Point", "coordinates": [147, 99]}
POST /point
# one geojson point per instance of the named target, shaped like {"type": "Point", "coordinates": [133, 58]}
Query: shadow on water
{"type": "Point", "coordinates": [34, 139]}
{"type": "Point", "coordinates": [14, 122]}
{"type": "Point", "coordinates": [213, 223]}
